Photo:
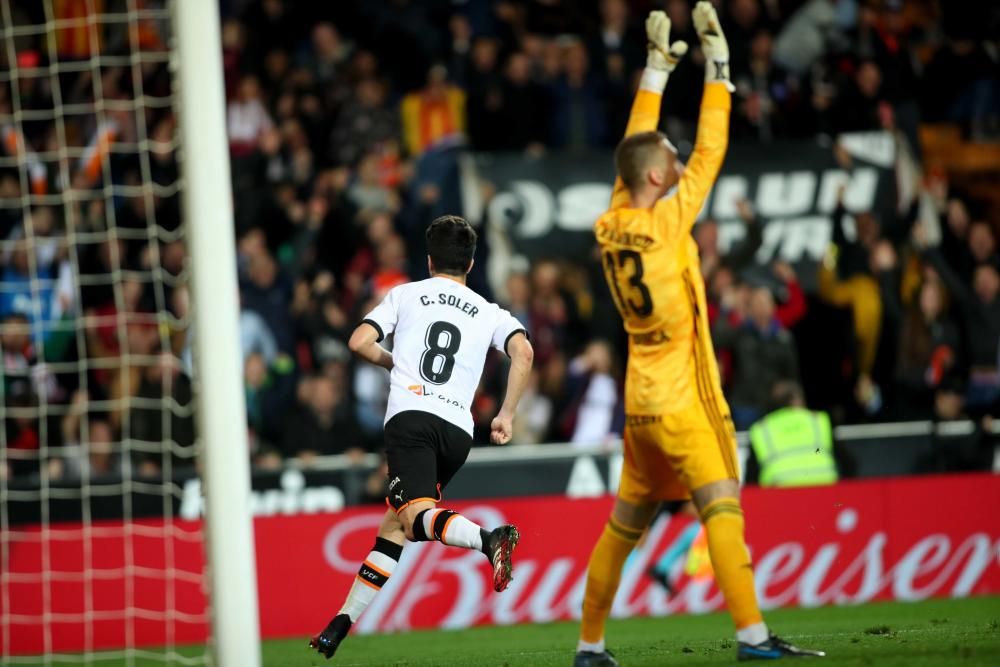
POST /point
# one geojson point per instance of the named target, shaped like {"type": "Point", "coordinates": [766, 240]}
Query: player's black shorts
{"type": "Point", "coordinates": [423, 452]}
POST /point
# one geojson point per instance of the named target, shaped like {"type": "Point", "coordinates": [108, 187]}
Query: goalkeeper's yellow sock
{"type": "Point", "coordinates": [723, 521]}
{"type": "Point", "coordinates": [603, 574]}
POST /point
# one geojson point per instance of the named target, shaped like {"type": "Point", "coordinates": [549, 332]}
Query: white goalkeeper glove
{"type": "Point", "coordinates": [713, 43]}
{"type": "Point", "coordinates": [663, 55]}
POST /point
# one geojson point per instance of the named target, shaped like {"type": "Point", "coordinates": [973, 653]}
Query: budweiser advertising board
{"type": "Point", "coordinates": [898, 539]}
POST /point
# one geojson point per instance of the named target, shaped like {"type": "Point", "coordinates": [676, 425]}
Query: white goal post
{"type": "Point", "coordinates": [208, 212]}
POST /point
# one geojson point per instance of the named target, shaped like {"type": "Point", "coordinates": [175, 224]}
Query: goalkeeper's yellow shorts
{"type": "Point", "coordinates": [668, 456]}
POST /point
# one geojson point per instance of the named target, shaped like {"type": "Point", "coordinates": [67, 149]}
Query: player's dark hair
{"type": "Point", "coordinates": [635, 154]}
{"type": "Point", "coordinates": [451, 244]}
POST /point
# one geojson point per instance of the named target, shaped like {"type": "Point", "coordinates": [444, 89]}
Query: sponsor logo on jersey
{"type": "Point", "coordinates": [423, 390]}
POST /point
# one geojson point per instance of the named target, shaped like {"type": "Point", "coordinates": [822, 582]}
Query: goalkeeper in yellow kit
{"type": "Point", "coordinates": [679, 439]}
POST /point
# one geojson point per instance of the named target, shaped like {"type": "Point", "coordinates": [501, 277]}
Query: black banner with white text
{"type": "Point", "coordinates": [546, 206]}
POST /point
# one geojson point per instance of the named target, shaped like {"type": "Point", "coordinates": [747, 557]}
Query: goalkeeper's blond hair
{"type": "Point", "coordinates": [638, 153]}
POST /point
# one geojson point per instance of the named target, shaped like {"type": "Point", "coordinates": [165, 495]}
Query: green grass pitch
{"type": "Point", "coordinates": [935, 632]}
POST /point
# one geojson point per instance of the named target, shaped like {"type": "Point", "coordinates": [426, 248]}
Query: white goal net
{"type": "Point", "coordinates": [98, 431]}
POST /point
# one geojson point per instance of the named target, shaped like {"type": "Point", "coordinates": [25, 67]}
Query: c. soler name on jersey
{"type": "Point", "coordinates": [450, 300]}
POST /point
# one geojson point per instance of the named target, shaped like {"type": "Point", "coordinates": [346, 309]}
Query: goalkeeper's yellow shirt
{"type": "Point", "coordinates": [651, 265]}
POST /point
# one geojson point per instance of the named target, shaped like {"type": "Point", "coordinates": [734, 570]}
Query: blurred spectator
{"type": "Point", "coordinates": [979, 305]}
{"type": "Point", "coordinates": [740, 254]}
{"type": "Point", "coordinates": [161, 415]}
{"type": "Point", "coordinates": [247, 117]}
{"type": "Point", "coordinates": [323, 423]}
{"type": "Point", "coordinates": [863, 105]}
{"type": "Point", "coordinates": [269, 26]}
{"type": "Point", "coordinates": [928, 351]}
{"type": "Point", "coordinates": [846, 280]}
{"type": "Point", "coordinates": [955, 222]}
{"type": "Point", "coordinates": [328, 54]}
{"type": "Point", "coordinates": [806, 35]}
{"type": "Point", "coordinates": [371, 389]}
{"type": "Point", "coordinates": [550, 312]}
{"type": "Point", "coordinates": [522, 107]}
{"type": "Point", "coordinates": [369, 191]}
{"type": "Point", "coordinates": [793, 307]}
{"type": "Point", "coordinates": [579, 102]}
{"type": "Point", "coordinates": [269, 393]}
{"type": "Point", "coordinates": [22, 436]}
{"type": "Point", "coordinates": [435, 116]}
{"type": "Point", "coordinates": [29, 290]}
{"type": "Point", "coordinates": [377, 484]}
{"type": "Point", "coordinates": [884, 36]}
{"type": "Point", "coordinates": [960, 84]}
{"type": "Point", "coordinates": [982, 244]}
{"type": "Point", "coordinates": [24, 374]}
{"type": "Point", "coordinates": [484, 88]}
{"type": "Point", "coordinates": [519, 296]}
{"type": "Point", "coordinates": [746, 21]}
{"type": "Point", "coordinates": [534, 414]}
{"type": "Point", "coordinates": [92, 448]}
{"type": "Point", "coordinates": [617, 46]}
{"type": "Point", "coordinates": [763, 355]}
{"type": "Point", "coordinates": [256, 337]}
{"type": "Point", "coordinates": [365, 123]}
{"type": "Point", "coordinates": [596, 411]}
{"type": "Point", "coordinates": [763, 90]}
{"type": "Point", "coordinates": [459, 62]}
{"type": "Point", "coordinates": [266, 291]}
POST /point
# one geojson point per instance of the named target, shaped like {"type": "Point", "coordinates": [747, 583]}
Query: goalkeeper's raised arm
{"type": "Point", "coordinates": [713, 121]}
{"type": "Point", "coordinates": [661, 61]}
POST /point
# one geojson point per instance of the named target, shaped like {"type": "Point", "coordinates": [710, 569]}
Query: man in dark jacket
{"type": "Point", "coordinates": [763, 355]}
{"type": "Point", "coordinates": [324, 425]}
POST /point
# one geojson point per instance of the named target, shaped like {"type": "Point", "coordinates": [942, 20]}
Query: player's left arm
{"type": "Point", "coordinates": [522, 356]}
{"type": "Point", "coordinates": [365, 344]}
{"type": "Point", "coordinates": [712, 138]}
{"type": "Point", "coordinates": [661, 61]}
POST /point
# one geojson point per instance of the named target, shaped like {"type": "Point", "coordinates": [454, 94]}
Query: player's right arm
{"type": "Point", "coordinates": [364, 343]}
{"type": "Point", "coordinates": [713, 120]}
{"type": "Point", "coordinates": [661, 61]}
{"type": "Point", "coordinates": [378, 324]}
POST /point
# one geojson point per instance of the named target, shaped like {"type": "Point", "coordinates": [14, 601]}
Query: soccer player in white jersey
{"type": "Point", "coordinates": [442, 333]}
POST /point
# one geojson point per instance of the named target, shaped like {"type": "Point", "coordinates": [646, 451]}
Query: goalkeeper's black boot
{"type": "Point", "coordinates": [774, 648]}
{"type": "Point", "coordinates": [327, 641]}
{"type": "Point", "coordinates": [498, 545]}
{"type": "Point", "coordinates": [592, 659]}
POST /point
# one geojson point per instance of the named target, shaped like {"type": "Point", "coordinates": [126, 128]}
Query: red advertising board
{"type": "Point", "coordinates": [902, 539]}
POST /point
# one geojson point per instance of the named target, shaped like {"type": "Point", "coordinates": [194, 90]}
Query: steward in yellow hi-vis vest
{"type": "Point", "coordinates": [679, 439]}
{"type": "Point", "coordinates": [793, 445]}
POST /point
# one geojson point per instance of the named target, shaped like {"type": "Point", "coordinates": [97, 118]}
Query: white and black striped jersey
{"type": "Point", "coordinates": [442, 332]}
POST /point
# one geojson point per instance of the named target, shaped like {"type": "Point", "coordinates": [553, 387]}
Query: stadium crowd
{"type": "Point", "coordinates": [346, 123]}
